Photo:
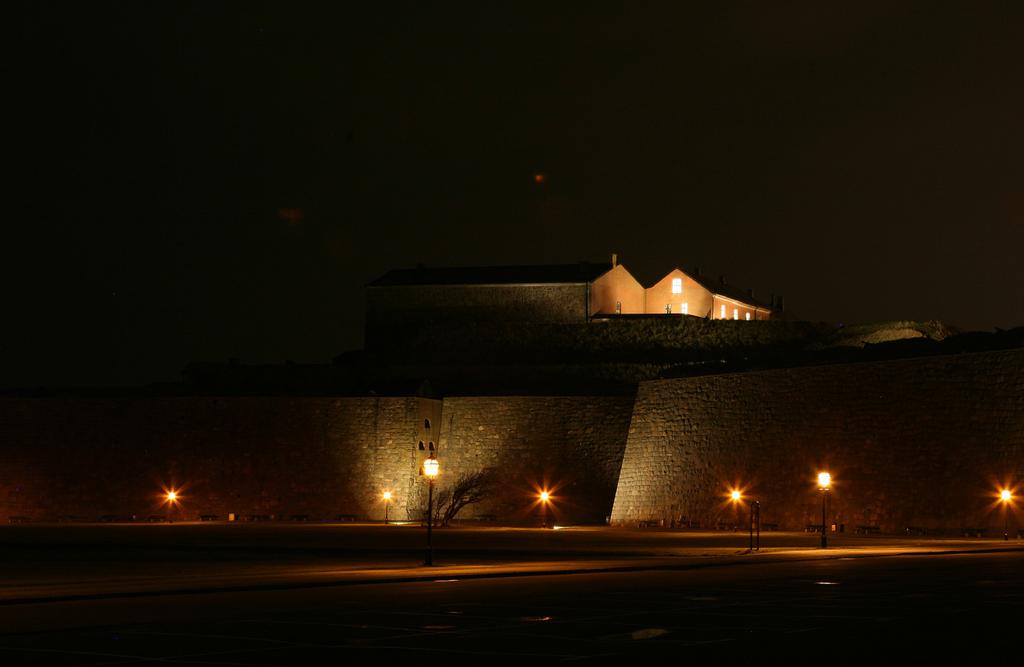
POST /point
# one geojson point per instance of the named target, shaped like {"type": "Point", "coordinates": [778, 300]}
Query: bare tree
{"type": "Point", "coordinates": [468, 489]}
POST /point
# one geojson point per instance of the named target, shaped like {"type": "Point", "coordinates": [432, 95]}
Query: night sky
{"type": "Point", "coordinates": [206, 181]}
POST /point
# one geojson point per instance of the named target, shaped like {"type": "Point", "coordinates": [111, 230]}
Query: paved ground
{"type": "Point", "coordinates": [685, 596]}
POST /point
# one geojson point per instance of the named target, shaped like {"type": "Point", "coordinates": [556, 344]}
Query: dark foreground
{"type": "Point", "coordinates": [958, 608]}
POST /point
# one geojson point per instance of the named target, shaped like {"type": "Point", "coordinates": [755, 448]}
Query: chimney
{"type": "Point", "coordinates": [781, 304]}
{"type": "Point", "coordinates": [699, 272]}
{"type": "Point", "coordinates": [615, 260]}
{"type": "Point", "coordinates": [721, 279]}
{"type": "Point", "coordinates": [771, 301]}
{"type": "Point", "coordinates": [750, 292]}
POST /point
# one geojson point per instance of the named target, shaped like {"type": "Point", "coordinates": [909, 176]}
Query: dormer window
{"type": "Point", "coordinates": [677, 285]}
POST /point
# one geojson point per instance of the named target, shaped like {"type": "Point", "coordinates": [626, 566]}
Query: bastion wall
{"type": "Point", "coordinates": [298, 457]}
{"type": "Point", "coordinates": [919, 443]}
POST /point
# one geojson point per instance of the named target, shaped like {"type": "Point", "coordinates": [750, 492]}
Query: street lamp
{"type": "Point", "coordinates": [430, 468]}
{"type": "Point", "coordinates": [755, 517]}
{"type": "Point", "coordinates": [387, 503]}
{"type": "Point", "coordinates": [171, 498]}
{"type": "Point", "coordinates": [545, 500]}
{"type": "Point", "coordinates": [824, 482]}
{"type": "Point", "coordinates": [1005, 497]}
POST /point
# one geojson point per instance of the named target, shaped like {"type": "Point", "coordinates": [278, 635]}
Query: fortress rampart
{"type": "Point", "coordinates": [921, 443]}
{"type": "Point", "coordinates": [311, 457]}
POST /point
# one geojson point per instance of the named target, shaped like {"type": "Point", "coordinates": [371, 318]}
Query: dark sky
{"type": "Point", "coordinates": [205, 181]}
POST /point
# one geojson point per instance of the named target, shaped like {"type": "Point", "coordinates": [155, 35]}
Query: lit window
{"type": "Point", "coordinates": [668, 308]}
{"type": "Point", "coordinates": [748, 316]}
{"type": "Point", "coordinates": [618, 307]}
{"type": "Point", "coordinates": [686, 308]}
{"type": "Point", "coordinates": [677, 285]}
{"type": "Point", "coordinates": [722, 316]}
{"type": "Point", "coordinates": [735, 313]}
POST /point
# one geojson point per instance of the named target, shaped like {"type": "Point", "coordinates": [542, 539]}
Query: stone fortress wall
{"type": "Point", "coordinates": [396, 313]}
{"type": "Point", "coordinates": [284, 457]}
{"type": "Point", "coordinates": [90, 457]}
{"type": "Point", "coordinates": [921, 443]}
{"type": "Point", "coordinates": [571, 446]}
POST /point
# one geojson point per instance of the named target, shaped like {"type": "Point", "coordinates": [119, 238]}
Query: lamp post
{"type": "Point", "coordinates": [824, 482]}
{"type": "Point", "coordinates": [736, 496]}
{"type": "Point", "coordinates": [545, 498]}
{"type": "Point", "coordinates": [1005, 496]}
{"type": "Point", "coordinates": [387, 503]}
{"type": "Point", "coordinates": [755, 515]}
{"type": "Point", "coordinates": [171, 498]}
{"type": "Point", "coordinates": [430, 469]}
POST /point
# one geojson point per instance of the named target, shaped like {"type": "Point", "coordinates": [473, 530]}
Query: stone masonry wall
{"type": "Point", "coordinates": [394, 314]}
{"type": "Point", "coordinates": [303, 456]}
{"type": "Point", "coordinates": [921, 443]}
{"type": "Point", "coordinates": [570, 445]}
{"type": "Point", "coordinates": [86, 458]}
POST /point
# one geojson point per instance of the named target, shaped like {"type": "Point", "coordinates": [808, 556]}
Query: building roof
{"type": "Point", "coordinates": [582, 272]}
{"type": "Point", "coordinates": [729, 291]}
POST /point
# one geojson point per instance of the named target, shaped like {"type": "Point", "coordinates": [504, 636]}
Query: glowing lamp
{"type": "Point", "coordinates": [1005, 495]}
{"type": "Point", "coordinates": [431, 467]}
{"type": "Point", "coordinates": [172, 496]}
{"type": "Point", "coordinates": [735, 495]}
{"type": "Point", "coordinates": [824, 480]}
{"type": "Point", "coordinates": [387, 496]}
{"type": "Point", "coordinates": [545, 496]}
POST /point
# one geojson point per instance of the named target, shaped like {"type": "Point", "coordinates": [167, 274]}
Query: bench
{"type": "Point", "coordinates": [208, 517]}
{"type": "Point", "coordinates": [486, 517]}
{"type": "Point", "coordinates": [18, 519]}
{"type": "Point", "coordinates": [974, 532]}
{"type": "Point", "coordinates": [116, 518]}
{"type": "Point", "coordinates": [156, 518]}
{"type": "Point", "coordinates": [767, 527]}
{"type": "Point", "coordinates": [813, 528]}
{"type": "Point", "coordinates": [725, 526]}
{"type": "Point", "coordinates": [914, 530]}
{"type": "Point", "coordinates": [347, 517]}
{"type": "Point", "coordinates": [299, 517]}
{"type": "Point", "coordinates": [868, 530]}
{"type": "Point", "coordinates": [259, 517]}
{"type": "Point", "coordinates": [650, 523]}
{"type": "Point", "coordinates": [70, 518]}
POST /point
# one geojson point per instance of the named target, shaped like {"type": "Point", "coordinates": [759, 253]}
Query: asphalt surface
{"type": "Point", "coordinates": [891, 610]}
{"type": "Point", "coordinates": [703, 602]}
